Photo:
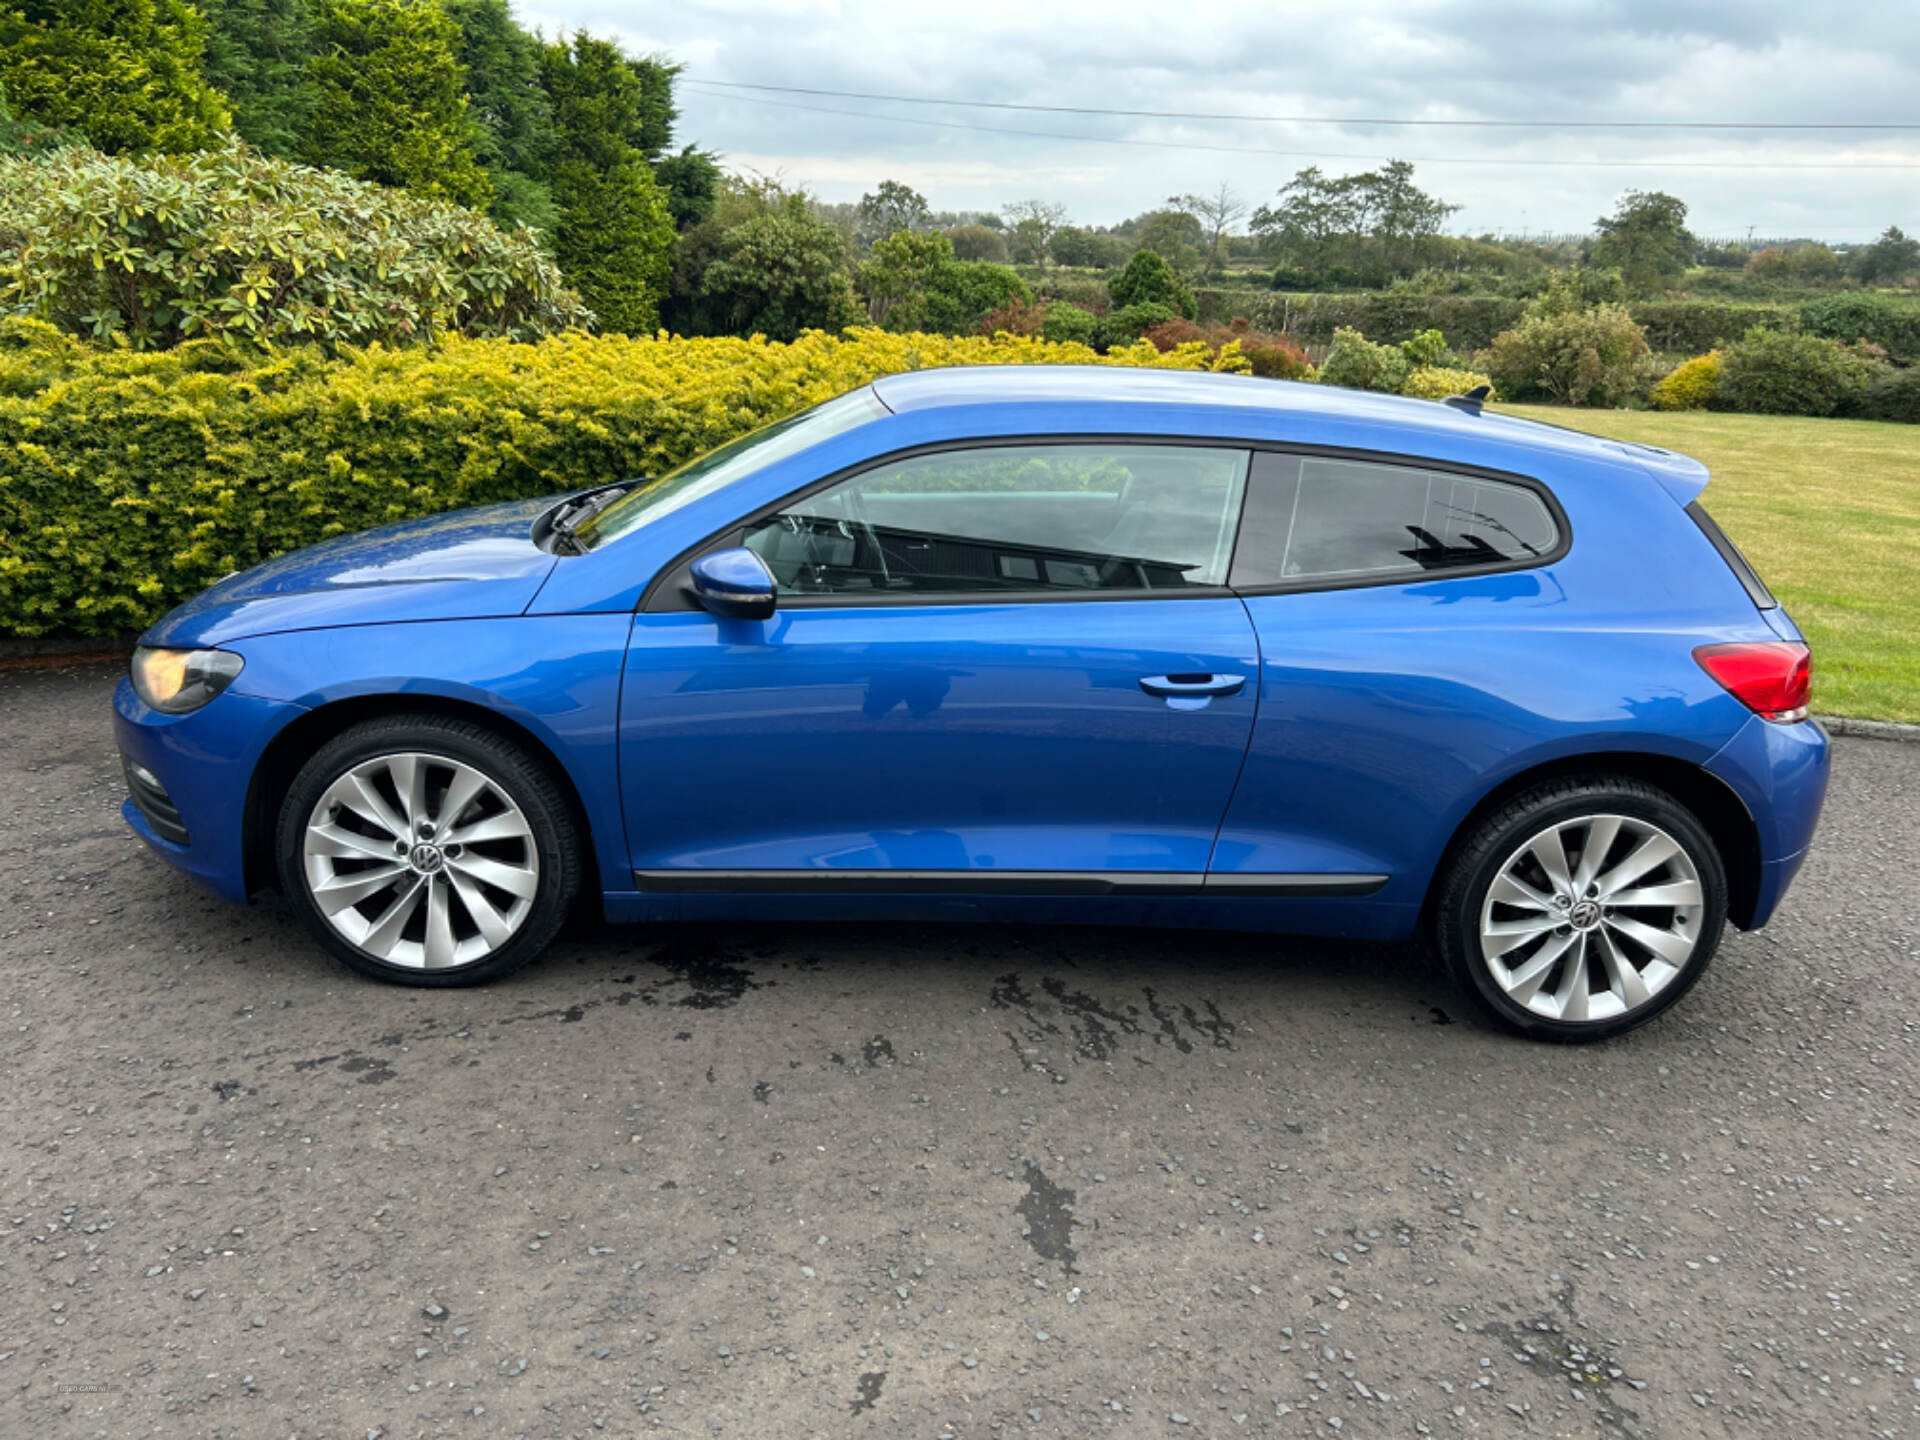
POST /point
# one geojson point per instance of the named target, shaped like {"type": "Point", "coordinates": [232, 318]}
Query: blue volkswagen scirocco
{"type": "Point", "coordinates": [1030, 644]}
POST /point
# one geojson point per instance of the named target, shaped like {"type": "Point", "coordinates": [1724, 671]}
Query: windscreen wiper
{"type": "Point", "coordinates": [557, 526]}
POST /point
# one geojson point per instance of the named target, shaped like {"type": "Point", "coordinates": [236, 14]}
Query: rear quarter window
{"type": "Point", "coordinates": [1322, 522]}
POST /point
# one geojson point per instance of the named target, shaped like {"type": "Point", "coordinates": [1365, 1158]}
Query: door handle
{"type": "Point", "coordinates": [1192, 687]}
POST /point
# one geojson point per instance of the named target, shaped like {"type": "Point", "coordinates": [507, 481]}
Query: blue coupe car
{"type": "Point", "coordinates": [1047, 644]}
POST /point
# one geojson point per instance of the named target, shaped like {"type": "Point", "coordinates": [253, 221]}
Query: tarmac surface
{"type": "Point", "coordinates": [931, 1180]}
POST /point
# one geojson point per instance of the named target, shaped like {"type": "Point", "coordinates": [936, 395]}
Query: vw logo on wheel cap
{"type": "Point", "coordinates": [425, 858]}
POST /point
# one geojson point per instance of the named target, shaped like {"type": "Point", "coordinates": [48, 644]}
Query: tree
{"type": "Point", "coordinates": [615, 235]}
{"type": "Point", "coordinates": [127, 74]}
{"type": "Point", "coordinates": [514, 137]}
{"type": "Point", "coordinates": [1892, 258]}
{"type": "Point", "coordinates": [257, 53]}
{"type": "Point", "coordinates": [691, 179]}
{"type": "Point", "coordinates": [778, 272]}
{"type": "Point", "coordinates": [888, 210]}
{"type": "Point", "coordinates": [899, 274]}
{"type": "Point", "coordinates": [1087, 249]}
{"type": "Point", "coordinates": [1034, 224]}
{"type": "Point", "coordinates": [25, 138]}
{"type": "Point", "coordinates": [1149, 280]}
{"type": "Point", "coordinates": [1377, 224]}
{"type": "Point", "coordinates": [654, 110]}
{"type": "Point", "coordinates": [978, 242]}
{"type": "Point", "coordinates": [1217, 213]}
{"type": "Point", "coordinates": [1646, 239]}
{"type": "Point", "coordinates": [913, 282]}
{"type": "Point", "coordinates": [1173, 235]}
{"type": "Point", "coordinates": [390, 99]}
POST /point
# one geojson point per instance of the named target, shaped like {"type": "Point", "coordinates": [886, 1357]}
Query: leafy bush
{"type": "Point", "coordinates": [1880, 320]}
{"type": "Point", "coordinates": [1771, 372]}
{"type": "Point", "coordinates": [1273, 357]}
{"type": "Point", "coordinates": [1893, 395]}
{"type": "Point", "coordinates": [1427, 349]}
{"type": "Point", "coordinates": [1356, 363]}
{"type": "Point", "coordinates": [961, 292]}
{"type": "Point", "coordinates": [1016, 317]}
{"type": "Point", "coordinates": [1069, 324]}
{"type": "Point", "coordinates": [232, 244]}
{"type": "Point", "coordinates": [1130, 322]}
{"type": "Point", "coordinates": [1582, 357]}
{"type": "Point", "coordinates": [1436, 382]}
{"type": "Point", "coordinates": [1692, 385]}
{"type": "Point", "coordinates": [1149, 280]}
{"type": "Point", "coordinates": [131, 481]}
{"type": "Point", "coordinates": [1810, 263]}
{"type": "Point", "coordinates": [913, 282]}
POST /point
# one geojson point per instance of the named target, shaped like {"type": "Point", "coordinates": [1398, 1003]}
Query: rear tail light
{"type": "Point", "coordinates": [1773, 678]}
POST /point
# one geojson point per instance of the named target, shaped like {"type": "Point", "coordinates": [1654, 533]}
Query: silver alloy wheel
{"type": "Point", "coordinates": [1592, 918]}
{"type": "Point", "coordinates": [421, 861]}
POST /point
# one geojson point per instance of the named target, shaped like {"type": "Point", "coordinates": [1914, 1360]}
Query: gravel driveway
{"type": "Point", "coordinates": [929, 1181]}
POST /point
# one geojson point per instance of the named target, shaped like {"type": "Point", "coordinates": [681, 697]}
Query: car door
{"type": "Point", "coordinates": [1006, 667]}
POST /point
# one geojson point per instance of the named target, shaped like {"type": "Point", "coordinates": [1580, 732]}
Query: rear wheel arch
{"type": "Point", "coordinates": [295, 744]}
{"type": "Point", "coordinates": [1710, 799]}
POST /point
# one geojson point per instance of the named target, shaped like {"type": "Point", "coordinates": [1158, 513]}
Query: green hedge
{"type": "Point", "coordinates": [1676, 327]}
{"type": "Point", "coordinates": [1691, 327]}
{"type": "Point", "coordinates": [131, 481]}
{"type": "Point", "coordinates": [1468, 321]}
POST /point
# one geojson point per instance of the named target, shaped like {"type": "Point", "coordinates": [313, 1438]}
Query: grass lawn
{"type": "Point", "coordinates": [1828, 511]}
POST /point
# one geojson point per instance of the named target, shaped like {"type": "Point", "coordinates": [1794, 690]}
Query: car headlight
{"type": "Point", "coordinates": [177, 681]}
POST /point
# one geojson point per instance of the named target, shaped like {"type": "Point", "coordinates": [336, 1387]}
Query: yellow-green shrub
{"type": "Point", "coordinates": [1690, 385]}
{"type": "Point", "coordinates": [1436, 382]}
{"type": "Point", "coordinates": [130, 481]}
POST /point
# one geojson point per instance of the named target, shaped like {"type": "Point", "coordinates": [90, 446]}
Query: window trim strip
{"type": "Point", "coordinates": [666, 592]}
{"type": "Point", "coordinates": [1742, 568]}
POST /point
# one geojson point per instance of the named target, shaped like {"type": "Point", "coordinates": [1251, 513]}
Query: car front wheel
{"type": "Point", "coordinates": [428, 851]}
{"type": "Point", "coordinates": [1582, 908]}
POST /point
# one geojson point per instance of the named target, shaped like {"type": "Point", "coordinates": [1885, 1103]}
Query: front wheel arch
{"type": "Point", "coordinates": [1710, 799]}
{"type": "Point", "coordinates": [290, 749]}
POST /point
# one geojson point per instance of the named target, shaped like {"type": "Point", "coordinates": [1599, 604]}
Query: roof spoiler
{"type": "Point", "coordinates": [1471, 401]}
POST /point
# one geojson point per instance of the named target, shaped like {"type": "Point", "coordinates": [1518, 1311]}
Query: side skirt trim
{"type": "Point", "coordinates": [997, 882]}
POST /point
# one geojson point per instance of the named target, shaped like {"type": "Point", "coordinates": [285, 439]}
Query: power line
{"type": "Point", "coordinates": [1542, 124]}
{"type": "Point", "coordinates": [696, 86]}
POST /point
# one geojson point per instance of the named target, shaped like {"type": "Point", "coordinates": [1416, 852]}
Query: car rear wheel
{"type": "Point", "coordinates": [1583, 908]}
{"type": "Point", "coordinates": [428, 851]}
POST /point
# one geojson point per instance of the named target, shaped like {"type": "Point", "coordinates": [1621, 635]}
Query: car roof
{"type": "Point", "coordinates": [1406, 421]}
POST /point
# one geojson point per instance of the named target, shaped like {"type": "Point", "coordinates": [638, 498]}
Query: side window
{"type": "Point", "coordinates": [1014, 518]}
{"type": "Point", "coordinates": [1311, 519]}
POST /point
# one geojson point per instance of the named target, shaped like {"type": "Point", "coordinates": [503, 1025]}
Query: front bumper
{"type": "Point", "coordinates": [204, 764]}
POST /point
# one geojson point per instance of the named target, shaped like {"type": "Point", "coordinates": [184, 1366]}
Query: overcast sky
{"type": "Point", "coordinates": [1541, 63]}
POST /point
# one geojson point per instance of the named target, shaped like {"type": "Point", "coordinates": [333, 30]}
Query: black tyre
{"type": "Point", "coordinates": [428, 851]}
{"type": "Point", "coordinates": [1582, 908]}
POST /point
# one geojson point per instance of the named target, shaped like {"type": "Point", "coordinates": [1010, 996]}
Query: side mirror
{"type": "Point", "coordinates": [734, 584]}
